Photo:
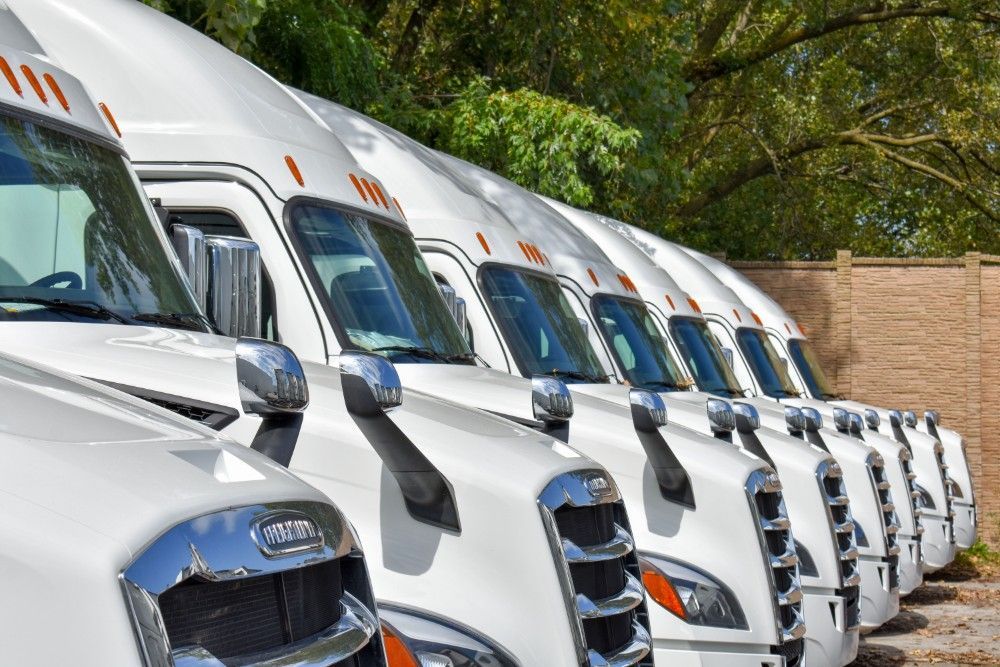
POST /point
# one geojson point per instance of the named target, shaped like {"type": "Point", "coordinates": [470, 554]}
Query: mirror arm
{"type": "Point", "coordinates": [277, 436]}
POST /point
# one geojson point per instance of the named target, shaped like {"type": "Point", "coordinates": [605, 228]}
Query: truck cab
{"type": "Point", "coordinates": [423, 477]}
{"type": "Point", "coordinates": [759, 368]}
{"type": "Point", "coordinates": [807, 373]}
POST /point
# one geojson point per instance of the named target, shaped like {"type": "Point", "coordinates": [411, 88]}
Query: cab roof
{"type": "Point", "coordinates": [179, 96]}
{"type": "Point", "coordinates": [31, 83]}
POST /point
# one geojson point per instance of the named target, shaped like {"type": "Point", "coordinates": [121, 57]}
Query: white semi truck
{"type": "Point", "coordinates": [675, 482]}
{"type": "Point", "coordinates": [806, 372]}
{"type": "Point", "coordinates": [487, 542]}
{"type": "Point", "coordinates": [865, 474]}
{"type": "Point", "coordinates": [759, 369]}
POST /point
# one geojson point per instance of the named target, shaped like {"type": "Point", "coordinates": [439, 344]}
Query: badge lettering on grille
{"type": "Point", "coordinates": [284, 533]}
{"type": "Point", "coordinates": [598, 486]}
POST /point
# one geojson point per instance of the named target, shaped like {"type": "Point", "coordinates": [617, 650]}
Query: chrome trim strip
{"type": "Point", "coordinates": [618, 546]}
{"type": "Point", "coordinates": [356, 627]}
{"type": "Point", "coordinates": [630, 654]}
{"type": "Point", "coordinates": [625, 600]}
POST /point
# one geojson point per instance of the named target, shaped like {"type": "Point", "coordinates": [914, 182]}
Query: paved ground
{"type": "Point", "coordinates": [954, 619]}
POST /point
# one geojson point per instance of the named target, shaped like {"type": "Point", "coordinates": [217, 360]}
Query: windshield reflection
{"type": "Point", "coordinates": [701, 351]}
{"type": "Point", "coordinates": [765, 363]}
{"type": "Point", "coordinates": [807, 362]}
{"type": "Point", "coordinates": [377, 287]}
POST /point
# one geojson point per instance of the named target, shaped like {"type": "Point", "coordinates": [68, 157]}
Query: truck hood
{"type": "Point", "coordinates": [118, 466]}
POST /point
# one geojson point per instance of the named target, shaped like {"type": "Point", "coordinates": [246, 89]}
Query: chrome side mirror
{"type": "Point", "coordinates": [842, 420]}
{"type": "Point", "coordinates": [378, 374]}
{"type": "Point", "coordinates": [233, 287]}
{"type": "Point", "coordinates": [795, 420]}
{"type": "Point", "coordinates": [550, 399]}
{"type": "Point", "coordinates": [784, 362]}
{"type": "Point", "coordinates": [872, 419]}
{"type": "Point", "coordinates": [910, 418]}
{"type": "Point", "coordinates": [727, 352]}
{"type": "Point", "coordinates": [585, 325]}
{"type": "Point", "coordinates": [747, 417]}
{"type": "Point", "coordinates": [455, 304]}
{"type": "Point", "coordinates": [857, 425]}
{"type": "Point", "coordinates": [932, 417]}
{"type": "Point", "coordinates": [649, 412]}
{"type": "Point", "coordinates": [189, 246]}
{"type": "Point", "coordinates": [461, 315]}
{"type": "Point", "coordinates": [814, 420]}
{"type": "Point", "coordinates": [720, 416]}
{"type": "Point", "coordinates": [895, 418]}
{"type": "Point", "coordinates": [270, 377]}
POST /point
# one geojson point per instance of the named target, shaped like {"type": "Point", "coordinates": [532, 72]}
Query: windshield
{"type": "Point", "coordinates": [700, 349]}
{"type": "Point", "coordinates": [76, 240]}
{"type": "Point", "coordinates": [642, 354]}
{"type": "Point", "coordinates": [378, 289]}
{"type": "Point", "coordinates": [765, 363]}
{"type": "Point", "coordinates": [539, 325]}
{"type": "Point", "coordinates": [807, 362]}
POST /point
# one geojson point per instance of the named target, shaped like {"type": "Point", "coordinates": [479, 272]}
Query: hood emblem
{"type": "Point", "coordinates": [598, 486]}
{"type": "Point", "coordinates": [283, 533]}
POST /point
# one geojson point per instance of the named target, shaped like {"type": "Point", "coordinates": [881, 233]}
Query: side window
{"type": "Point", "coordinates": [727, 342]}
{"type": "Point", "coordinates": [223, 223]}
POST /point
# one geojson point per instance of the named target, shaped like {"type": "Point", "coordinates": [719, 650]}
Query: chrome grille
{"type": "Point", "coordinates": [949, 490]}
{"type": "Point", "coordinates": [595, 555]}
{"type": "Point", "coordinates": [775, 531]}
{"type": "Point", "coordinates": [911, 485]}
{"type": "Point", "coordinates": [831, 482]}
{"type": "Point", "coordinates": [206, 594]}
{"type": "Point", "coordinates": [890, 521]}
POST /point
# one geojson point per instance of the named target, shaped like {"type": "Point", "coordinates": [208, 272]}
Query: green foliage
{"type": "Point", "coordinates": [764, 128]}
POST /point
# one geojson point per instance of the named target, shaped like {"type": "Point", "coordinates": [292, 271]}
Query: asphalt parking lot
{"type": "Point", "coordinates": [954, 619]}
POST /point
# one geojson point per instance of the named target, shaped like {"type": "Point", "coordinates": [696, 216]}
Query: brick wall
{"type": "Point", "coordinates": [908, 333]}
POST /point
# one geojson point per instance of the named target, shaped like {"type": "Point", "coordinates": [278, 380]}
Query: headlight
{"type": "Point", "coordinates": [910, 418]}
{"type": "Point", "coordinates": [926, 502]}
{"type": "Point", "coordinates": [841, 419]}
{"type": "Point", "coordinates": [690, 594]}
{"type": "Point", "coordinates": [795, 420]}
{"type": "Point", "coordinates": [720, 416]}
{"type": "Point", "coordinates": [872, 419]}
{"type": "Point", "coordinates": [417, 639]}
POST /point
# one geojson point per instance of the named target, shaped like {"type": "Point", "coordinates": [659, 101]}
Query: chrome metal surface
{"type": "Point", "coordinates": [651, 404]}
{"type": "Point", "coordinates": [746, 417]}
{"type": "Point", "coordinates": [630, 654]}
{"type": "Point", "coordinates": [378, 373]}
{"type": "Point", "coordinates": [550, 399]}
{"type": "Point", "coordinates": [720, 416]}
{"type": "Point", "coordinates": [618, 546]}
{"type": "Point", "coordinates": [284, 532]}
{"type": "Point", "coordinates": [910, 418]}
{"type": "Point", "coordinates": [270, 377]}
{"type": "Point", "coordinates": [795, 421]}
{"type": "Point", "coordinates": [189, 245]}
{"type": "Point", "coordinates": [829, 477]}
{"type": "Point", "coordinates": [625, 600]}
{"type": "Point", "coordinates": [814, 420]}
{"type": "Point", "coordinates": [872, 420]}
{"type": "Point", "coordinates": [841, 419]}
{"type": "Point", "coordinates": [233, 287]}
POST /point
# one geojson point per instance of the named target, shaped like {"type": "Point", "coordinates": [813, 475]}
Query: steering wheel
{"type": "Point", "coordinates": [73, 280]}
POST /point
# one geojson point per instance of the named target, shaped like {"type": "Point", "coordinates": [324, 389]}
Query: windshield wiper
{"type": "Point", "coordinates": [423, 352]}
{"type": "Point", "coordinates": [579, 375]}
{"type": "Point", "coordinates": [83, 308]}
{"type": "Point", "coordinates": [462, 356]}
{"type": "Point", "coordinates": [192, 321]}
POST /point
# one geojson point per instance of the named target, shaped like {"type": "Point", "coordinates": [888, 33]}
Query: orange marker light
{"type": "Point", "coordinates": [593, 277]}
{"type": "Point", "coordinates": [670, 301]}
{"type": "Point", "coordinates": [370, 189]}
{"type": "Point", "coordinates": [294, 168]}
{"type": "Point", "coordinates": [111, 119]}
{"type": "Point", "coordinates": [788, 328]}
{"type": "Point", "coordinates": [358, 187]}
{"type": "Point", "coordinates": [756, 319]}
{"type": "Point", "coordinates": [381, 196]}
{"type": "Point", "coordinates": [11, 79]}
{"type": "Point", "coordinates": [399, 208]}
{"type": "Point", "coordinates": [661, 590]}
{"type": "Point", "coordinates": [33, 80]}
{"type": "Point", "coordinates": [524, 249]}
{"type": "Point", "coordinates": [482, 242]}
{"type": "Point", "coordinates": [694, 305]}
{"type": "Point", "coordinates": [396, 653]}
{"type": "Point", "coordinates": [56, 90]}
{"type": "Point", "coordinates": [537, 253]}
{"type": "Point", "coordinates": [802, 328]}
{"type": "Point", "coordinates": [736, 313]}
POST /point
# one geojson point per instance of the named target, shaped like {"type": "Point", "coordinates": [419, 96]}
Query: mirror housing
{"type": "Point", "coordinates": [895, 418]}
{"type": "Point", "coordinates": [585, 324]}
{"type": "Point", "coordinates": [795, 420]}
{"type": "Point", "coordinates": [271, 379]}
{"type": "Point", "coordinates": [747, 417]}
{"type": "Point", "coordinates": [649, 412]}
{"type": "Point", "coordinates": [232, 299]}
{"type": "Point", "coordinates": [857, 425]}
{"type": "Point", "coordinates": [727, 352]}
{"type": "Point", "coordinates": [456, 305]}
{"type": "Point", "coordinates": [842, 420]}
{"type": "Point", "coordinates": [932, 417]}
{"type": "Point", "coordinates": [189, 246]}
{"type": "Point", "coordinates": [814, 420]}
{"type": "Point", "coordinates": [720, 416]}
{"type": "Point", "coordinates": [872, 419]}
{"type": "Point", "coordinates": [910, 418]}
{"type": "Point", "coordinates": [378, 374]}
{"type": "Point", "coordinates": [551, 401]}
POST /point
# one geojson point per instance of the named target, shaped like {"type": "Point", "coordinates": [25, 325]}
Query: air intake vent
{"type": "Point", "coordinates": [890, 522]}
{"type": "Point", "coordinates": [226, 602]}
{"type": "Point", "coordinates": [590, 537]}
{"type": "Point", "coordinates": [213, 416]}
{"type": "Point", "coordinates": [948, 490]}
{"type": "Point", "coordinates": [775, 532]}
{"type": "Point", "coordinates": [831, 484]}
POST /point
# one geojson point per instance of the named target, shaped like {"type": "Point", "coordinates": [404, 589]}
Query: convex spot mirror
{"type": "Point", "coordinates": [270, 377]}
{"type": "Point", "coordinates": [378, 374]}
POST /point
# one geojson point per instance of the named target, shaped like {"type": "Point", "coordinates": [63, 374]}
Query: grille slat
{"type": "Point", "coordinates": [890, 522]}
{"type": "Point", "coordinates": [949, 490]}
{"type": "Point", "coordinates": [831, 481]}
